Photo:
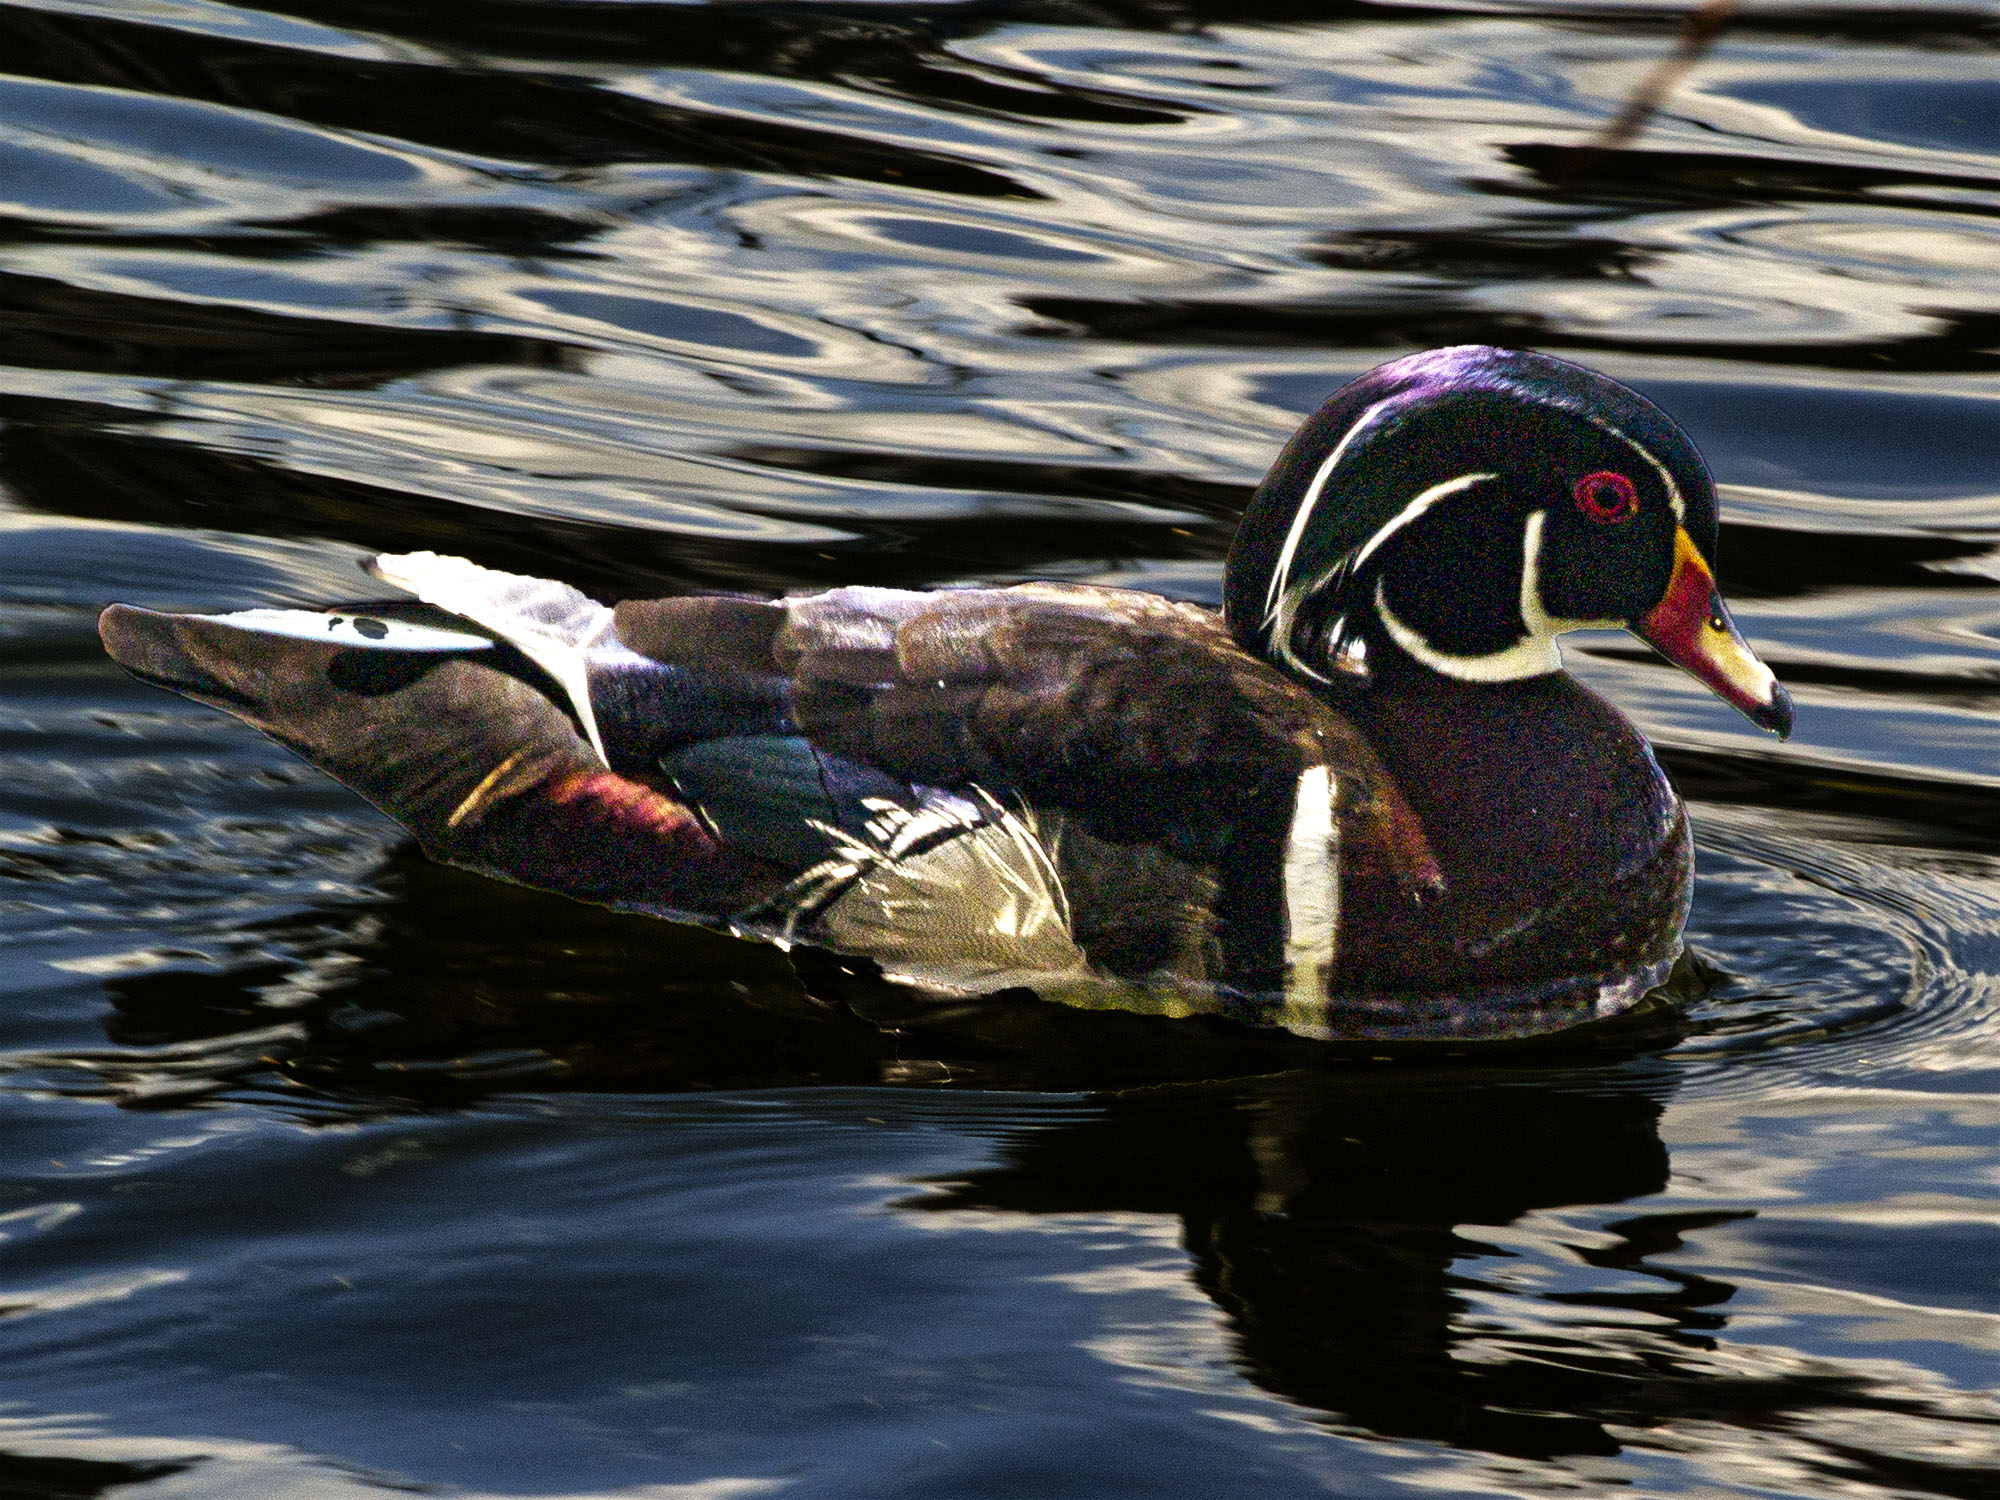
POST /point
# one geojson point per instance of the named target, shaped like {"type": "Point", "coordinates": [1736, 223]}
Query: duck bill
{"type": "Point", "coordinates": [1692, 629]}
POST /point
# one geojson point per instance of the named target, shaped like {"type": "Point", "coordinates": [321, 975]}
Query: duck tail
{"type": "Point", "coordinates": [453, 739]}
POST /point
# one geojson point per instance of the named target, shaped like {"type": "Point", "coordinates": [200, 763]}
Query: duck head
{"type": "Point", "coordinates": [1461, 508]}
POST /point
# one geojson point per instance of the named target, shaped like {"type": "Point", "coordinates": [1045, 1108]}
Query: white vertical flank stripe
{"type": "Point", "coordinates": [1312, 901]}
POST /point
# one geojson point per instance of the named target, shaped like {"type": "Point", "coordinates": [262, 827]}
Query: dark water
{"type": "Point", "coordinates": [325, 1171]}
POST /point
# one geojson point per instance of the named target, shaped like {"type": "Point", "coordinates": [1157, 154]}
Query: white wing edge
{"type": "Point", "coordinates": [363, 631]}
{"type": "Point", "coordinates": [550, 623]}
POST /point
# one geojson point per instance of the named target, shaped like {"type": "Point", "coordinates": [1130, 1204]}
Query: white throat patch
{"type": "Point", "coordinates": [1533, 654]}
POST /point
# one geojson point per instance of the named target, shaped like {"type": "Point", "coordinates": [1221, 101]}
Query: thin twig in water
{"type": "Point", "coordinates": [1703, 25]}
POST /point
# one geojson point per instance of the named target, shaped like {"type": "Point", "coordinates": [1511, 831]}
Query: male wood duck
{"type": "Point", "coordinates": [1365, 801]}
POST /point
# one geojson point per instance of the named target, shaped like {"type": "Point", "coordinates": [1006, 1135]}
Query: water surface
{"type": "Point", "coordinates": [327, 1171]}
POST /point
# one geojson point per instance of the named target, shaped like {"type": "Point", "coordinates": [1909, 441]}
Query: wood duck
{"type": "Point", "coordinates": [1364, 801]}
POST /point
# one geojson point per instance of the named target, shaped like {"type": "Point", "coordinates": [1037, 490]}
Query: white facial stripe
{"type": "Point", "coordinates": [1533, 615]}
{"type": "Point", "coordinates": [1312, 899]}
{"type": "Point", "coordinates": [1286, 610]}
{"type": "Point", "coordinates": [1281, 642]}
{"type": "Point", "coordinates": [1275, 594]}
{"type": "Point", "coordinates": [1674, 500]}
{"type": "Point", "coordinates": [1411, 511]}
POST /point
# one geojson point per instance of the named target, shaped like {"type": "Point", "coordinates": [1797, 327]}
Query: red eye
{"type": "Point", "coordinates": [1607, 497]}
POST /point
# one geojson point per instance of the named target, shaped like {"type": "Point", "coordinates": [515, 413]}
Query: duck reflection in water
{"type": "Point", "coordinates": [1326, 1217]}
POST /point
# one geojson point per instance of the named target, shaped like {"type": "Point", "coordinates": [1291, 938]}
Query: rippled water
{"type": "Point", "coordinates": [328, 1171]}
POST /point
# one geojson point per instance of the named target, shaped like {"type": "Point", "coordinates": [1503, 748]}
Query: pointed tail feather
{"type": "Point", "coordinates": [479, 764]}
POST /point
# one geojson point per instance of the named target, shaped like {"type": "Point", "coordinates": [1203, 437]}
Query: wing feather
{"type": "Point", "coordinates": [550, 623]}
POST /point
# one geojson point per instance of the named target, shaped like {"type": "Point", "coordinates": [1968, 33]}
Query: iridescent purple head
{"type": "Point", "coordinates": [1458, 509]}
